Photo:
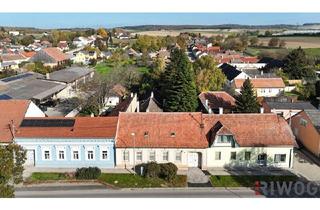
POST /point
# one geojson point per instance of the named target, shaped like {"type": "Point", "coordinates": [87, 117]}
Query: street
{"type": "Point", "coordinates": [95, 190]}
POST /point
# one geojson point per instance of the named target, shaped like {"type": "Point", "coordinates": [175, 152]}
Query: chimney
{"type": "Point", "coordinates": [261, 110]}
{"type": "Point", "coordinates": [220, 110]}
{"type": "Point", "coordinates": [47, 76]}
{"type": "Point", "coordinates": [210, 111]}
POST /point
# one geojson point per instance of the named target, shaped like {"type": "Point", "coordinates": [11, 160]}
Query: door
{"type": "Point", "coordinates": [30, 158]}
{"type": "Point", "coordinates": [193, 159]}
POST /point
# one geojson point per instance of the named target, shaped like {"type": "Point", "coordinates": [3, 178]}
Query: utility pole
{"type": "Point", "coordinates": [134, 153]}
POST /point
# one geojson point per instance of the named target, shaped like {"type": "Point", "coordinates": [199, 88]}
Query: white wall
{"type": "Point", "coordinates": [34, 111]}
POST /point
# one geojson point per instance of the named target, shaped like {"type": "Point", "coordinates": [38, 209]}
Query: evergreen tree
{"type": "Point", "coordinates": [247, 102]}
{"type": "Point", "coordinates": [178, 88]}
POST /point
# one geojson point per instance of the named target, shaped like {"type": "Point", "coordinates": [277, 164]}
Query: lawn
{"type": "Point", "coordinates": [246, 181]}
{"type": "Point", "coordinates": [45, 176]}
{"type": "Point", "coordinates": [136, 181]}
{"type": "Point", "coordinates": [103, 68]}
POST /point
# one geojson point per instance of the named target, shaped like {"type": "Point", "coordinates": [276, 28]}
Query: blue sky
{"type": "Point", "coordinates": [59, 20]}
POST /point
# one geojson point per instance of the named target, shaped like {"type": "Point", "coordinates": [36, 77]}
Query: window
{"type": "Point", "coordinates": [152, 156]}
{"type": "Point", "coordinates": [165, 156]}
{"type": "Point", "coordinates": [218, 156]}
{"type": "Point", "coordinates": [61, 155]}
{"type": "Point", "coordinates": [178, 156]}
{"type": "Point", "coordinates": [225, 139]}
{"type": "Point", "coordinates": [47, 155]}
{"type": "Point", "coordinates": [104, 154]}
{"type": "Point", "coordinates": [75, 155]}
{"type": "Point", "coordinates": [279, 158]}
{"type": "Point", "coordinates": [139, 156]}
{"type": "Point", "coordinates": [233, 156]}
{"type": "Point", "coordinates": [126, 155]}
{"type": "Point", "coordinates": [90, 155]}
{"type": "Point", "coordinates": [247, 155]}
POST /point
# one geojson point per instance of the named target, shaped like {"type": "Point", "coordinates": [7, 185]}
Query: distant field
{"type": "Point", "coordinates": [295, 42]}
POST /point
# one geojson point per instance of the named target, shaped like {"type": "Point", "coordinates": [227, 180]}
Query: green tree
{"type": "Point", "coordinates": [296, 65]}
{"type": "Point", "coordinates": [208, 75]}
{"type": "Point", "coordinates": [12, 158]}
{"type": "Point", "coordinates": [179, 90]}
{"type": "Point", "coordinates": [247, 102]}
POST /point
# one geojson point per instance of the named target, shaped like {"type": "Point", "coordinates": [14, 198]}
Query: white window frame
{"type": "Point", "coordinates": [75, 149]}
{"type": "Point", "coordinates": [46, 148]}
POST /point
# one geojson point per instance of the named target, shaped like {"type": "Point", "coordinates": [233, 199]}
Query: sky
{"type": "Point", "coordinates": [109, 20]}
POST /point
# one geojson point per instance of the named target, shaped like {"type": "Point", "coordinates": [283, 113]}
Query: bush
{"type": "Point", "coordinates": [152, 170]}
{"type": "Point", "coordinates": [168, 171]}
{"type": "Point", "coordinates": [88, 173]}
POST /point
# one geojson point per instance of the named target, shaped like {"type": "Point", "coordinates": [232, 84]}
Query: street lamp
{"type": "Point", "coordinates": [134, 153]}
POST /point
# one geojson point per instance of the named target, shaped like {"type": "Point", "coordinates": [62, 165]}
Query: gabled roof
{"type": "Point", "coordinates": [231, 72]}
{"type": "Point", "coordinates": [262, 83]}
{"type": "Point", "coordinates": [83, 127]}
{"type": "Point", "coordinates": [11, 111]}
{"type": "Point", "coordinates": [217, 99]}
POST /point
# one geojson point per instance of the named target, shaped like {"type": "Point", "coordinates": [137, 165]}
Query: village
{"type": "Point", "coordinates": [160, 111]}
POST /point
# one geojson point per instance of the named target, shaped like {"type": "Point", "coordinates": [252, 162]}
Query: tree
{"type": "Point", "coordinates": [296, 65]}
{"type": "Point", "coordinates": [273, 42]}
{"type": "Point", "coordinates": [254, 41]}
{"type": "Point", "coordinates": [282, 43]}
{"type": "Point", "coordinates": [247, 102]}
{"type": "Point", "coordinates": [12, 158]}
{"type": "Point", "coordinates": [208, 75]}
{"type": "Point", "coordinates": [179, 90]}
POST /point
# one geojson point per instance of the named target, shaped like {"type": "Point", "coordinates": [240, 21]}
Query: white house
{"type": "Point", "coordinates": [204, 140]}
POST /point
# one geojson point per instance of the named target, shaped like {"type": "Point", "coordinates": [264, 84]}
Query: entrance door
{"type": "Point", "coordinates": [30, 158]}
{"type": "Point", "coordinates": [193, 159]}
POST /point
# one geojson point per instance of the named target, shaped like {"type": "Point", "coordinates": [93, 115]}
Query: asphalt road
{"type": "Point", "coordinates": [94, 190]}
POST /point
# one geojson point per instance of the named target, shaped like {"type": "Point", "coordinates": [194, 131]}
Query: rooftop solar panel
{"type": "Point", "coordinates": [13, 78]}
{"type": "Point", "coordinates": [47, 123]}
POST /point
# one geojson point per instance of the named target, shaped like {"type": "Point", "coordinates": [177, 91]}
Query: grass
{"type": "Point", "coordinates": [45, 176]}
{"type": "Point", "coordinates": [131, 181]}
{"type": "Point", "coordinates": [246, 181]}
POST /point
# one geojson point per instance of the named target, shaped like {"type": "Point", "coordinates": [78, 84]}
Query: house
{"type": "Point", "coordinates": [217, 102]}
{"type": "Point", "coordinates": [29, 86]}
{"type": "Point", "coordinates": [12, 113]}
{"type": "Point", "coordinates": [68, 142]}
{"type": "Point", "coordinates": [264, 87]}
{"type": "Point", "coordinates": [306, 127]}
{"type": "Point", "coordinates": [285, 107]}
{"type": "Point", "coordinates": [51, 56]}
{"type": "Point", "coordinates": [232, 73]}
{"type": "Point", "coordinates": [205, 141]}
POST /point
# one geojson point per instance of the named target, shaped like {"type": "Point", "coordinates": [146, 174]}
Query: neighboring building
{"type": "Point", "coordinates": [205, 141]}
{"type": "Point", "coordinates": [285, 107]}
{"type": "Point", "coordinates": [68, 142]}
{"type": "Point", "coordinates": [51, 57]}
{"type": "Point", "coordinates": [264, 87]}
{"type": "Point", "coordinates": [29, 86]}
{"type": "Point", "coordinates": [306, 127]}
{"type": "Point", "coordinates": [217, 101]}
{"type": "Point", "coordinates": [232, 73]}
{"type": "Point", "coordinates": [12, 113]}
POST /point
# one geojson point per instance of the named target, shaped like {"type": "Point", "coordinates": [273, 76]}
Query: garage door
{"type": "Point", "coordinates": [193, 159]}
{"type": "Point", "coordinates": [30, 158]}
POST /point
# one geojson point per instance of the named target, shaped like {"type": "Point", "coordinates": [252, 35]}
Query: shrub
{"type": "Point", "coordinates": [168, 171]}
{"type": "Point", "coordinates": [88, 173]}
{"type": "Point", "coordinates": [152, 170]}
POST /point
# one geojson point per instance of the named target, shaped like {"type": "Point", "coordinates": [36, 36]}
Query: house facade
{"type": "Point", "coordinates": [205, 141]}
{"type": "Point", "coordinates": [68, 142]}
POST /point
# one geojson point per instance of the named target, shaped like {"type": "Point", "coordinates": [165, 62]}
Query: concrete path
{"type": "Point", "coordinates": [196, 178]}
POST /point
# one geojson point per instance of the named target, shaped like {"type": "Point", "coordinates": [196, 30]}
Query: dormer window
{"type": "Point", "coordinates": [173, 134]}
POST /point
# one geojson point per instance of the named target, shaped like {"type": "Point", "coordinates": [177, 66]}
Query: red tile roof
{"type": "Point", "coordinates": [262, 83]}
{"type": "Point", "coordinates": [56, 54]}
{"type": "Point", "coordinates": [84, 127]}
{"type": "Point", "coordinates": [192, 130]}
{"type": "Point", "coordinates": [217, 99]}
{"type": "Point", "coordinates": [11, 111]}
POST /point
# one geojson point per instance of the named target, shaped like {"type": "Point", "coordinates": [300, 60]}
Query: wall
{"type": "Point", "coordinates": [307, 135]}
{"type": "Point", "coordinates": [38, 144]}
